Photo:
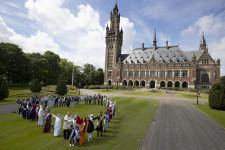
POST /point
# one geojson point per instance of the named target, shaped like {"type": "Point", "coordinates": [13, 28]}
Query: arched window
{"type": "Point", "coordinates": [162, 84]}
{"type": "Point", "coordinates": [136, 83]}
{"type": "Point", "coordinates": [177, 84]}
{"type": "Point", "coordinates": [185, 84]}
{"type": "Point", "coordinates": [130, 83]}
{"type": "Point", "coordinates": [109, 82]}
{"type": "Point", "coordinates": [205, 78]}
{"type": "Point", "coordinates": [124, 83]}
{"type": "Point", "coordinates": [170, 84]}
{"type": "Point", "coordinates": [152, 84]}
{"type": "Point", "coordinates": [142, 83]}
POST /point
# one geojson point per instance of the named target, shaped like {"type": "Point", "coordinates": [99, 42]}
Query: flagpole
{"type": "Point", "coordinates": [73, 73]}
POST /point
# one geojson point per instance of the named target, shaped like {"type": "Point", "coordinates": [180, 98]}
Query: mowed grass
{"type": "Point", "coordinates": [191, 96]}
{"type": "Point", "coordinates": [16, 93]}
{"type": "Point", "coordinates": [126, 130]}
{"type": "Point", "coordinates": [145, 94]}
{"type": "Point", "coordinates": [217, 115]}
{"type": "Point", "coordinates": [110, 91]}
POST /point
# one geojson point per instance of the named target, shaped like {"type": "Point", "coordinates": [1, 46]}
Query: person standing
{"type": "Point", "coordinates": [66, 125]}
{"type": "Point", "coordinates": [57, 126]}
{"type": "Point", "coordinates": [83, 130]}
{"type": "Point", "coordinates": [46, 101]}
{"type": "Point", "coordinates": [106, 121]}
{"type": "Point", "coordinates": [40, 116]}
{"type": "Point", "coordinates": [100, 124]}
{"type": "Point", "coordinates": [56, 101]}
{"type": "Point", "coordinates": [90, 126]}
{"type": "Point", "coordinates": [47, 127]}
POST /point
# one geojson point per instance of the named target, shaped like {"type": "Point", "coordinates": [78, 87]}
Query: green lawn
{"type": "Point", "coordinates": [145, 94]}
{"type": "Point", "coordinates": [126, 130]}
{"type": "Point", "coordinates": [110, 91]}
{"type": "Point", "coordinates": [216, 115]}
{"type": "Point", "coordinates": [191, 96]}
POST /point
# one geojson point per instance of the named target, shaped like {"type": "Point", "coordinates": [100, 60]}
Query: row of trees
{"type": "Point", "coordinates": [19, 67]}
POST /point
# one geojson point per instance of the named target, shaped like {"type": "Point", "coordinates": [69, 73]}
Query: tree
{"type": "Point", "coordinates": [99, 76]}
{"type": "Point", "coordinates": [217, 97]}
{"type": "Point", "coordinates": [4, 92]}
{"type": "Point", "coordinates": [88, 68]}
{"type": "Point", "coordinates": [52, 67]}
{"type": "Point", "coordinates": [61, 88]}
{"type": "Point", "coordinates": [35, 85]}
{"type": "Point", "coordinates": [37, 66]}
{"type": "Point", "coordinates": [222, 80]}
{"type": "Point", "coordinates": [14, 64]}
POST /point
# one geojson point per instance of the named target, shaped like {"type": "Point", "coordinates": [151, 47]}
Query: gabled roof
{"type": "Point", "coordinates": [162, 55]}
{"type": "Point", "coordinates": [198, 54]}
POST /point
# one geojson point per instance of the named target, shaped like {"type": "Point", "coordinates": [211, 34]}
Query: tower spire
{"type": "Point", "coordinates": [154, 41]}
{"type": "Point", "coordinates": [203, 38]}
{"type": "Point", "coordinates": [115, 7]}
{"type": "Point", "coordinates": [203, 43]}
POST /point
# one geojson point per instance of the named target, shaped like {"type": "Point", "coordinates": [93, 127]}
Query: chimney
{"type": "Point", "coordinates": [167, 45]}
{"type": "Point", "coordinates": [143, 46]}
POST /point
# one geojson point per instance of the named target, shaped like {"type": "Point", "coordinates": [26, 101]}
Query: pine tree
{"type": "Point", "coordinates": [61, 88]}
{"type": "Point", "coordinates": [35, 85]}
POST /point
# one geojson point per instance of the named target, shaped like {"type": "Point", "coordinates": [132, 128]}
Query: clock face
{"type": "Point", "coordinates": [110, 46]}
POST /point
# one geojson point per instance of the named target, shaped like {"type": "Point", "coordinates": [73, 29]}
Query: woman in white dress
{"type": "Point", "coordinates": [57, 126]}
{"type": "Point", "coordinates": [40, 116]}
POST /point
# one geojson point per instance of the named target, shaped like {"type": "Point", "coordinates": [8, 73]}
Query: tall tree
{"type": "Point", "coordinates": [4, 92]}
{"type": "Point", "coordinates": [52, 67]}
{"type": "Point", "coordinates": [99, 76]}
{"type": "Point", "coordinates": [37, 66]}
{"type": "Point", "coordinates": [14, 64]}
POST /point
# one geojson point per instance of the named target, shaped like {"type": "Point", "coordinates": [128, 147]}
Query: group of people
{"type": "Point", "coordinates": [74, 128]}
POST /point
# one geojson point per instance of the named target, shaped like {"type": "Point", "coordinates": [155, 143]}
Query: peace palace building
{"type": "Point", "coordinates": [157, 66]}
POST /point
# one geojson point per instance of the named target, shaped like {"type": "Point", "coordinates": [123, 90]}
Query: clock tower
{"type": "Point", "coordinates": [114, 41]}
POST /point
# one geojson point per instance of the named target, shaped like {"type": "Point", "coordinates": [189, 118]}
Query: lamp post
{"type": "Point", "coordinates": [197, 95]}
{"type": "Point", "coordinates": [79, 87]}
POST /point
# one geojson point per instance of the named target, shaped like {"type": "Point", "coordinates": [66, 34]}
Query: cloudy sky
{"type": "Point", "coordinates": [75, 29]}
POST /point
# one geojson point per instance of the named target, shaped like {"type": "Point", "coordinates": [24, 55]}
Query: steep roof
{"type": "Point", "coordinates": [163, 55]}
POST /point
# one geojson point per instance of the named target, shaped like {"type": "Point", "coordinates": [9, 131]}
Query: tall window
{"type": "Point", "coordinates": [147, 73]}
{"type": "Point", "coordinates": [136, 73]}
{"type": "Point", "coordinates": [124, 73]}
{"type": "Point", "coordinates": [169, 73]}
{"type": "Point", "coordinates": [177, 73]}
{"type": "Point", "coordinates": [184, 73]}
{"type": "Point", "coordinates": [152, 73]}
{"type": "Point", "coordinates": [131, 74]}
{"type": "Point", "coordinates": [142, 73]}
{"type": "Point", "coordinates": [162, 73]}
{"type": "Point", "coordinates": [109, 73]}
{"type": "Point", "coordinates": [205, 78]}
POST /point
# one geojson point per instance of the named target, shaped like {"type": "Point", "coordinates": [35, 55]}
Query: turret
{"type": "Point", "coordinates": [154, 41]}
{"type": "Point", "coordinates": [203, 43]}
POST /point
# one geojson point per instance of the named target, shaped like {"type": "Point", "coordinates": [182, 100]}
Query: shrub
{"type": "Point", "coordinates": [61, 88]}
{"type": "Point", "coordinates": [4, 92]}
{"type": "Point", "coordinates": [217, 97]}
{"type": "Point", "coordinates": [35, 85]}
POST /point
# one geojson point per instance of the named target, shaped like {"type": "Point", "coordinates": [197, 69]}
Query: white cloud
{"type": "Point", "coordinates": [213, 27]}
{"type": "Point", "coordinates": [128, 34]}
{"type": "Point", "coordinates": [217, 49]}
{"type": "Point", "coordinates": [81, 35]}
{"type": "Point", "coordinates": [39, 42]}
{"type": "Point", "coordinates": [211, 24]}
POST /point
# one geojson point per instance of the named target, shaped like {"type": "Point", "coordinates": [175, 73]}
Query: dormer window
{"type": "Point", "coordinates": [205, 61]}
